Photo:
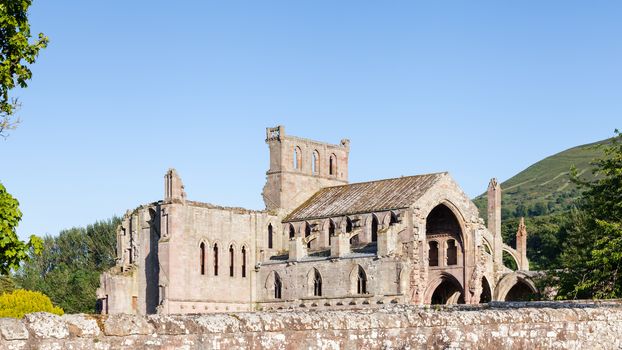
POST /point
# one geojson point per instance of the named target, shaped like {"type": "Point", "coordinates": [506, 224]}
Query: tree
{"type": "Point", "coordinates": [592, 254]}
{"type": "Point", "coordinates": [69, 267]}
{"type": "Point", "coordinates": [16, 54]}
{"type": "Point", "coordinates": [12, 250]}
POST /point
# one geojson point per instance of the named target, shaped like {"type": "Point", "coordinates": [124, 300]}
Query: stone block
{"type": "Point", "coordinates": [46, 325]}
{"type": "Point", "coordinates": [13, 329]}
{"type": "Point", "coordinates": [126, 324]}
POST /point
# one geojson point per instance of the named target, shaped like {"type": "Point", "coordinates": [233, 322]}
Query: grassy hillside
{"type": "Point", "coordinates": [545, 187]}
{"type": "Point", "coordinates": [544, 194]}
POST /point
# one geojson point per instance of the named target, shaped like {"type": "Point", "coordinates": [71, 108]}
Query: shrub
{"type": "Point", "coordinates": [21, 302]}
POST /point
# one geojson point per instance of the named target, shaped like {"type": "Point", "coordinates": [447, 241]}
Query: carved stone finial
{"type": "Point", "coordinates": [522, 229]}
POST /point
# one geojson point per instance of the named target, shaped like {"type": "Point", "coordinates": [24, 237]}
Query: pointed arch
{"type": "Point", "coordinates": [297, 158]}
{"type": "Point", "coordinates": [278, 286]}
{"type": "Point", "coordinates": [270, 236]}
{"type": "Point", "coordinates": [314, 282]}
{"type": "Point", "coordinates": [331, 231]}
{"type": "Point", "coordinates": [374, 228]}
{"type": "Point", "coordinates": [231, 260]}
{"type": "Point", "coordinates": [292, 231]}
{"type": "Point", "coordinates": [358, 280]}
{"type": "Point", "coordinates": [215, 253]}
{"type": "Point", "coordinates": [243, 256]}
{"type": "Point", "coordinates": [315, 163]}
{"type": "Point", "coordinates": [332, 165]}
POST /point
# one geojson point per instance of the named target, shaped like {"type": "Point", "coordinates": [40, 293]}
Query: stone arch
{"type": "Point", "coordinates": [273, 285]}
{"type": "Point", "coordinates": [359, 283]}
{"type": "Point", "coordinates": [512, 253]}
{"type": "Point", "coordinates": [515, 286]}
{"type": "Point", "coordinates": [374, 227]}
{"type": "Point", "coordinates": [444, 289]}
{"type": "Point", "coordinates": [314, 282]}
{"type": "Point", "coordinates": [486, 295]}
{"type": "Point", "coordinates": [231, 253]}
{"type": "Point", "coordinates": [328, 230]}
{"type": "Point", "coordinates": [244, 254]}
{"type": "Point", "coordinates": [291, 231]}
{"type": "Point", "coordinates": [443, 225]}
{"type": "Point", "coordinates": [203, 249]}
{"type": "Point", "coordinates": [315, 162]}
{"type": "Point", "coordinates": [216, 252]}
{"type": "Point", "coordinates": [297, 158]}
{"type": "Point", "coordinates": [332, 165]}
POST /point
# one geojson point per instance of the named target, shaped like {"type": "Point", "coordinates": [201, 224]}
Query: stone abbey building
{"type": "Point", "coordinates": [321, 243]}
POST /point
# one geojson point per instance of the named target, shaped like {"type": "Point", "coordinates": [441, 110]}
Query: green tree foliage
{"type": "Point", "coordinates": [12, 250]}
{"type": "Point", "coordinates": [592, 253]}
{"type": "Point", "coordinates": [16, 54]}
{"type": "Point", "coordinates": [20, 302]}
{"type": "Point", "coordinates": [69, 267]}
{"type": "Point", "coordinates": [7, 284]}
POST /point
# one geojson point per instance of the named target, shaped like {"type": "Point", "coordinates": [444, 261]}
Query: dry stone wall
{"type": "Point", "coordinates": [542, 325]}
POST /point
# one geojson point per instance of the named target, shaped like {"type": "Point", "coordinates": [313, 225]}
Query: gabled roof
{"type": "Point", "coordinates": [364, 197]}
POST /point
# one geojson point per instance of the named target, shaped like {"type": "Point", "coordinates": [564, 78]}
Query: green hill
{"type": "Point", "coordinates": [544, 195]}
{"type": "Point", "coordinates": [545, 187]}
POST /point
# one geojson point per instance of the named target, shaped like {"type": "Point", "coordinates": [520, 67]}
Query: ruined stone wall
{"type": "Point", "coordinates": [498, 326]}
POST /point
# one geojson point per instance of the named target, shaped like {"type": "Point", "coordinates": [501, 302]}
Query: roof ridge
{"type": "Point", "coordinates": [389, 179]}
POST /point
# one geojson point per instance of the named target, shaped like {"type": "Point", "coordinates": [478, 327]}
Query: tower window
{"type": "Point", "coordinates": [315, 165]}
{"type": "Point", "coordinates": [297, 158]}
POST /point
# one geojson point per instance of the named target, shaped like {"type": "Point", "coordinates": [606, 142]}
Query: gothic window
{"type": "Point", "coordinates": [317, 284]}
{"type": "Point", "coordinates": [297, 158]}
{"type": "Point", "coordinates": [348, 225]}
{"type": "Point", "coordinates": [374, 228]}
{"type": "Point", "coordinates": [452, 252]}
{"type": "Point", "coordinates": [315, 165]}
{"type": "Point", "coordinates": [292, 231]}
{"type": "Point", "coordinates": [277, 286]}
{"type": "Point", "coordinates": [332, 165]}
{"type": "Point", "coordinates": [269, 236]}
{"type": "Point", "coordinates": [331, 231]}
{"type": "Point", "coordinates": [361, 282]}
{"type": "Point", "coordinates": [231, 260]}
{"type": "Point", "coordinates": [433, 253]}
{"type": "Point", "coordinates": [202, 257]}
{"type": "Point", "coordinates": [308, 233]}
{"type": "Point", "coordinates": [243, 261]}
{"type": "Point", "coordinates": [215, 259]}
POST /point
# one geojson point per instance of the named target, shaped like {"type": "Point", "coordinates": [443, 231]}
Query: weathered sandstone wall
{"type": "Point", "coordinates": [544, 325]}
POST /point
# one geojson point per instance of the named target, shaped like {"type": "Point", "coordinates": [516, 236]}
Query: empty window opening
{"type": "Point", "coordinates": [292, 231]}
{"type": "Point", "coordinates": [202, 257]}
{"type": "Point", "coordinates": [307, 234]}
{"type": "Point", "coordinates": [361, 284]}
{"type": "Point", "coordinates": [332, 165]}
{"type": "Point", "coordinates": [297, 158]}
{"type": "Point", "coordinates": [374, 229]}
{"type": "Point", "coordinates": [452, 252]}
{"type": "Point", "coordinates": [315, 164]}
{"type": "Point", "coordinates": [231, 260]}
{"type": "Point", "coordinates": [215, 259]}
{"type": "Point", "coordinates": [277, 286]}
{"type": "Point", "coordinates": [269, 236]}
{"type": "Point", "coordinates": [243, 261]}
{"type": "Point", "coordinates": [394, 219]}
{"type": "Point", "coordinates": [331, 231]}
{"type": "Point", "coordinates": [317, 284]}
{"type": "Point", "coordinates": [433, 253]}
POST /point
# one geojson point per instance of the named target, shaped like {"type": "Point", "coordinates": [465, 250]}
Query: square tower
{"type": "Point", "coordinates": [300, 167]}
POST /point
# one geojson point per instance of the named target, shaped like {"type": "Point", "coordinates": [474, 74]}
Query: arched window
{"type": "Point", "coordinates": [361, 282]}
{"type": "Point", "coordinates": [452, 252]}
{"type": "Point", "coordinates": [292, 231]}
{"type": "Point", "coordinates": [278, 285]}
{"type": "Point", "coordinates": [315, 165]}
{"type": "Point", "coordinates": [374, 228]}
{"type": "Point", "coordinates": [215, 259]}
{"type": "Point", "coordinates": [243, 261]}
{"type": "Point", "coordinates": [348, 225]}
{"type": "Point", "coordinates": [433, 253]}
{"type": "Point", "coordinates": [317, 284]}
{"type": "Point", "coordinates": [332, 165]}
{"type": "Point", "coordinates": [202, 257]}
{"type": "Point", "coordinates": [297, 158]}
{"type": "Point", "coordinates": [331, 231]}
{"type": "Point", "coordinates": [308, 233]}
{"type": "Point", "coordinates": [269, 236]}
{"type": "Point", "coordinates": [231, 260]}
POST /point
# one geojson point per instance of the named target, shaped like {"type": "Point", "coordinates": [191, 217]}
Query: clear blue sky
{"type": "Point", "coordinates": [128, 89]}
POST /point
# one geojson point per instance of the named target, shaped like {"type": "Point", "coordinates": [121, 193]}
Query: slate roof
{"type": "Point", "coordinates": [364, 197]}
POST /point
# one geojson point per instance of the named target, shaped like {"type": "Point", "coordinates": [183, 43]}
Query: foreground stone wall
{"type": "Point", "coordinates": [542, 325]}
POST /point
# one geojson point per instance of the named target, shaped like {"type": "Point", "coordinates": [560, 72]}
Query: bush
{"type": "Point", "coordinates": [21, 302]}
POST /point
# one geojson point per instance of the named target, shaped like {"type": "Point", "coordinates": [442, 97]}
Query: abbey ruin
{"type": "Point", "coordinates": [321, 243]}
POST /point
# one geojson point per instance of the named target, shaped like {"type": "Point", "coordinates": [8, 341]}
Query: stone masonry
{"type": "Point", "coordinates": [534, 325]}
{"type": "Point", "coordinates": [322, 243]}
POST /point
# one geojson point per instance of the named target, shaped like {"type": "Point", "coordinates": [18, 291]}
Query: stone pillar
{"type": "Point", "coordinates": [297, 250]}
{"type": "Point", "coordinates": [387, 241]}
{"type": "Point", "coordinates": [340, 245]}
{"type": "Point", "coordinates": [173, 186]}
{"type": "Point", "coordinates": [494, 222]}
{"type": "Point", "coordinates": [521, 245]}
